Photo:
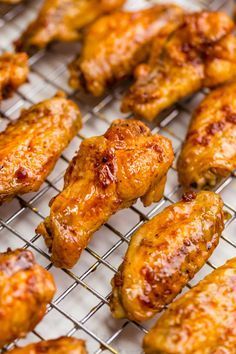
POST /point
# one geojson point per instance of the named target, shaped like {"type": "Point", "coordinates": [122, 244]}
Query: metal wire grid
{"type": "Point", "coordinates": [100, 260]}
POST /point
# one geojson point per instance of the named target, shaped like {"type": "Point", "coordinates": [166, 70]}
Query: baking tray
{"type": "Point", "coordinates": [80, 307]}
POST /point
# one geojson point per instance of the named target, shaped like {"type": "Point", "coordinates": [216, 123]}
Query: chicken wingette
{"type": "Point", "coordinates": [165, 253]}
{"type": "Point", "coordinates": [14, 72]}
{"type": "Point", "coordinates": [25, 290]}
{"type": "Point", "coordinates": [209, 152]}
{"type": "Point", "coordinates": [202, 321]}
{"type": "Point", "coordinates": [116, 43]}
{"type": "Point", "coordinates": [201, 53]}
{"type": "Point", "coordinates": [63, 345]}
{"type": "Point", "coordinates": [62, 20]}
{"type": "Point", "coordinates": [30, 146]}
{"type": "Point", "coordinates": [109, 172]}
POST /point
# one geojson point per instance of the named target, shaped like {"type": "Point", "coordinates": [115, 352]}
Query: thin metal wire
{"type": "Point", "coordinates": [7, 14]}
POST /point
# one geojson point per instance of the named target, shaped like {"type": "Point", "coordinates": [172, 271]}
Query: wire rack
{"type": "Point", "coordinates": [80, 307]}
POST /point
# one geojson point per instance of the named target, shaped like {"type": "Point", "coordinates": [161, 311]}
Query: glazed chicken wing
{"type": "Point", "coordinates": [116, 43]}
{"type": "Point", "coordinates": [25, 290]}
{"type": "Point", "coordinates": [201, 53]}
{"type": "Point", "coordinates": [14, 71]}
{"type": "Point", "coordinates": [63, 345]}
{"type": "Point", "coordinates": [62, 20]}
{"type": "Point", "coordinates": [164, 254]}
{"type": "Point", "coordinates": [11, 2]}
{"type": "Point", "coordinates": [209, 152]}
{"type": "Point", "coordinates": [109, 172]}
{"type": "Point", "coordinates": [30, 146]}
{"type": "Point", "coordinates": [202, 321]}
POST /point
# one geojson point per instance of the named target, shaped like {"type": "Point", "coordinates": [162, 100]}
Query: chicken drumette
{"type": "Point", "coordinates": [202, 321]}
{"type": "Point", "coordinates": [116, 43]}
{"type": "Point", "coordinates": [30, 146]}
{"type": "Point", "coordinates": [209, 152]}
{"type": "Point", "coordinates": [165, 253]}
{"type": "Point", "coordinates": [201, 53]}
{"type": "Point", "coordinates": [62, 20]}
{"type": "Point", "coordinates": [109, 172]}
{"type": "Point", "coordinates": [63, 345]}
{"type": "Point", "coordinates": [14, 72]}
{"type": "Point", "coordinates": [25, 290]}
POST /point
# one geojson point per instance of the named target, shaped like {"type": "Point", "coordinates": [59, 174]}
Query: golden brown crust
{"type": "Point", "coordinates": [209, 152]}
{"type": "Point", "coordinates": [202, 321]}
{"type": "Point", "coordinates": [25, 290]}
{"type": "Point", "coordinates": [125, 164]}
{"type": "Point", "coordinates": [62, 20]}
{"type": "Point", "coordinates": [14, 72]}
{"type": "Point", "coordinates": [165, 253]}
{"type": "Point", "coordinates": [30, 147]}
{"type": "Point", "coordinates": [116, 43]}
{"type": "Point", "coordinates": [201, 53]}
{"type": "Point", "coordinates": [63, 345]}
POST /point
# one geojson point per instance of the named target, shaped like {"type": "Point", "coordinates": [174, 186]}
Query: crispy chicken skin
{"type": "Point", "coordinates": [63, 345]}
{"type": "Point", "coordinates": [202, 321]}
{"type": "Point", "coordinates": [165, 253]}
{"type": "Point", "coordinates": [30, 147]}
{"type": "Point", "coordinates": [62, 20]}
{"type": "Point", "coordinates": [116, 43]}
{"type": "Point", "coordinates": [25, 290]}
{"type": "Point", "coordinates": [201, 53]}
{"type": "Point", "coordinates": [209, 152]}
{"type": "Point", "coordinates": [124, 164]}
{"type": "Point", "coordinates": [14, 72]}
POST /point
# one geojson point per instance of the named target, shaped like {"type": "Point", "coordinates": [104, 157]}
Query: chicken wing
{"type": "Point", "coordinates": [30, 147]}
{"type": "Point", "coordinates": [116, 43]}
{"type": "Point", "coordinates": [165, 253]}
{"type": "Point", "coordinates": [14, 72]}
{"type": "Point", "coordinates": [202, 321]}
{"type": "Point", "coordinates": [124, 164]}
{"type": "Point", "coordinates": [62, 20]}
{"type": "Point", "coordinates": [201, 53]}
{"type": "Point", "coordinates": [10, 2]}
{"type": "Point", "coordinates": [63, 345]}
{"type": "Point", "coordinates": [209, 152]}
{"type": "Point", "coordinates": [25, 290]}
